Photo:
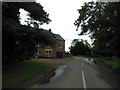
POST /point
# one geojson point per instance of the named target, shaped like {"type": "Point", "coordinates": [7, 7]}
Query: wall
{"type": "Point", "coordinates": [59, 47]}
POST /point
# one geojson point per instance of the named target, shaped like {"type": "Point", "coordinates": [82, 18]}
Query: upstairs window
{"type": "Point", "coordinates": [59, 45]}
{"type": "Point", "coordinates": [37, 51]}
{"type": "Point", "coordinates": [37, 45]}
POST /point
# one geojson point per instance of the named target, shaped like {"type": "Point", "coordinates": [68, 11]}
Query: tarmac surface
{"type": "Point", "coordinates": [82, 73]}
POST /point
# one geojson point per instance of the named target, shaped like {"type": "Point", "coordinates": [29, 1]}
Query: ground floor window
{"type": "Point", "coordinates": [37, 51]}
{"type": "Point", "coordinates": [48, 52]}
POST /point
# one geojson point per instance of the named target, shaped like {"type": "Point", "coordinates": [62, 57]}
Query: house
{"type": "Point", "coordinates": [58, 50]}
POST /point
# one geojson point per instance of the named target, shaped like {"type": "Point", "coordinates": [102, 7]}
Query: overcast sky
{"type": "Point", "coordinates": [63, 13]}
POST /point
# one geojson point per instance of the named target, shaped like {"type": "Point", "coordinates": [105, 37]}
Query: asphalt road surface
{"type": "Point", "coordinates": [82, 73]}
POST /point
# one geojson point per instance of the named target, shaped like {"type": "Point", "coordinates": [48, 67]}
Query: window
{"type": "Point", "coordinates": [37, 45]}
{"type": "Point", "coordinates": [17, 42]}
{"type": "Point", "coordinates": [37, 51]}
{"type": "Point", "coordinates": [59, 45]}
{"type": "Point", "coordinates": [48, 52]}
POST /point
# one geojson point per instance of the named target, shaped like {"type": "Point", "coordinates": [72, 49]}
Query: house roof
{"type": "Point", "coordinates": [46, 31]}
{"type": "Point", "coordinates": [57, 36]}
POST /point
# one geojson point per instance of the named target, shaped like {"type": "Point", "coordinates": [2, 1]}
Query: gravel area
{"type": "Point", "coordinates": [53, 61]}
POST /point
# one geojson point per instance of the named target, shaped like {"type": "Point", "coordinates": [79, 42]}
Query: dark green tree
{"type": "Point", "coordinates": [36, 12]}
{"type": "Point", "coordinates": [79, 47]}
{"type": "Point", "coordinates": [18, 40]}
{"type": "Point", "coordinates": [101, 20]}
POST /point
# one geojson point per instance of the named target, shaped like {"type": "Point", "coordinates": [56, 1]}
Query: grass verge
{"type": "Point", "coordinates": [111, 63]}
{"type": "Point", "coordinates": [68, 57]}
{"type": "Point", "coordinates": [114, 64]}
{"type": "Point", "coordinates": [21, 72]}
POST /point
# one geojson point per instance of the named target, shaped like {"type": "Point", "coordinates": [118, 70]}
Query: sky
{"type": "Point", "coordinates": [63, 14]}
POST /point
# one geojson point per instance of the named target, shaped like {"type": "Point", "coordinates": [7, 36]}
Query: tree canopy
{"type": "Point", "coordinates": [35, 10]}
{"type": "Point", "coordinates": [101, 21]}
{"type": "Point", "coordinates": [79, 47]}
{"type": "Point", "coordinates": [18, 40]}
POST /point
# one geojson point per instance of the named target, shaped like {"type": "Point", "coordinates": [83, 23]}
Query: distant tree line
{"type": "Point", "coordinates": [18, 41]}
{"type": "Point", "coordinates": [101, 21]}
{"type": "Point", "coordinates": [80, 47]}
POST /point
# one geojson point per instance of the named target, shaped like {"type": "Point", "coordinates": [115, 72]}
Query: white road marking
{"type": "Point", "coordinates": [84, 83]}
{"type": "Point", "coordinates": [82, 64]}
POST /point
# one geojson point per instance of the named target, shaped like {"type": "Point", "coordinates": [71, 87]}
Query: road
{"type": "Point", "coordinates": [82, 73]}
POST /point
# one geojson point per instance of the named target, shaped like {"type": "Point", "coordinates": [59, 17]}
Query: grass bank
{"type": "Point", "coordinates": [114, 64]}
{"type": "Point", "coordinates": [109, 62]}
{"type": "Point", "coordinates": [18, 73]}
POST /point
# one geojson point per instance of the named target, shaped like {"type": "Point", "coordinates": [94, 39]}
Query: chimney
{"type": "Point", "coordinates": [50, 30]}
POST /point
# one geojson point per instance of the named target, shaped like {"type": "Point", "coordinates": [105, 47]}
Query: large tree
{"type": "Point", "coordinates": [18, 40]}
{"type": "Point", "coordinates": [101, 20]}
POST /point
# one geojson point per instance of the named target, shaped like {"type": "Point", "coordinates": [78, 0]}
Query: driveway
{"type": "Point", "coordinates": [53, 61]}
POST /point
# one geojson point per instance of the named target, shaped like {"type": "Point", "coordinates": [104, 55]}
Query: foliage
{"type": "Point", "coordinates": [101, 20]}
{"type": "Point", "coordinates": [80, 47]}
{"type": "Point", "coordinates": [36, 12]}
{"type": "Point", "coordinates": [109, 62]}
{"type": "Point", "coordinates": [19, 41]}
{"type": "Point", "coordinates": [67, 54]}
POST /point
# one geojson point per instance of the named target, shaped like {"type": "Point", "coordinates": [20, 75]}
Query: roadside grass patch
{"type": "Point", "coordinates": [20, 72]}
{"type": "Point", "coordinates": [113, 64]}
{"type": "Point", "coordinates": [69, 57]}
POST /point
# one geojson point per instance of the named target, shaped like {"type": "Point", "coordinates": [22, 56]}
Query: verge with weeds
{"type": "Point", "coordinates": [18, 73]}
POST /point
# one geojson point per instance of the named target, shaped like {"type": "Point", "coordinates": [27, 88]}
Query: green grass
{"type": "Point", "coordinates": [21, 72]}
{"type": "Point", "coordinates": [113, 64]}
{"type": "Point", "coordinates": [69, 57]}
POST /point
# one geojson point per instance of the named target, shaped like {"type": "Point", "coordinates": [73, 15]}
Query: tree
{"type": "Point", "coordinates": [79, 47]}
{"type": "Point", "coordinates": [18, 40]}
{"type": "Point", "coordinates": [35, 10]}
{"type": "Point", "coordinates": [101, 20]}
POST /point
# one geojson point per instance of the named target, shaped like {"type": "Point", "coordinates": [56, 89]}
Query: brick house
{"type": "Point", "coordinates": [58, 50]}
